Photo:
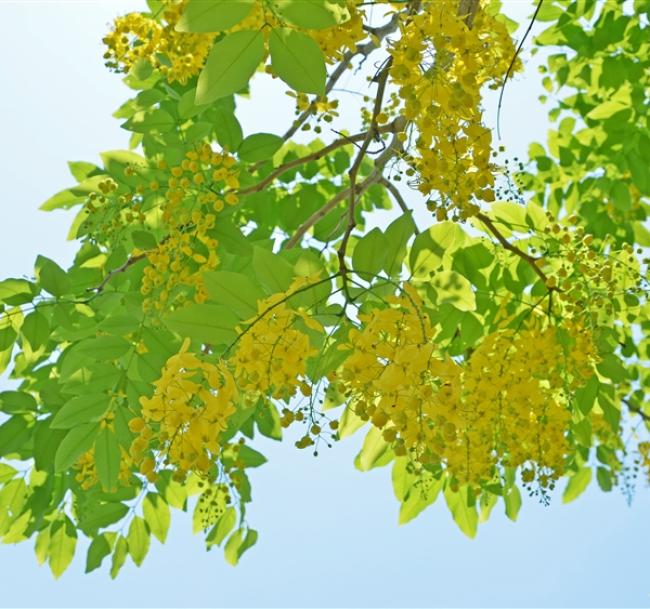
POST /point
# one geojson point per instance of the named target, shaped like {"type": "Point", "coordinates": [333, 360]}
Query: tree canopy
{"type": "Point", "coordinates": [227, 287]}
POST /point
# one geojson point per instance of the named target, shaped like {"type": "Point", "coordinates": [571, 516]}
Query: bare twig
{"type": "Point", "coordinates": [512, 63]}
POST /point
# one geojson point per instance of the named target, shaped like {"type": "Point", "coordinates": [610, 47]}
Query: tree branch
{"type": "Point", "coordinates": [391, 151]}
{"type": "Point", "coordinates": [314, 156]}
{"type": "Point", "coordinates": [531, 260]}
{"type": "Point", "coordinates": [382, 80]}
{"type": "Point", "coordinates": [120, 269]}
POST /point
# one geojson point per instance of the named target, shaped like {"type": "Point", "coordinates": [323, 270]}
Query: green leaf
{"type": "Point", "coordinates": [94, 516]}
{"type": "Point", "coordinates": [452, 288]}
{"type": "Point", "coordinates": [81, 170]}
{"type": "Point", "coordinates": [119, 555]}
{"type": "Point", "coordinates": [611, 367]}
{"type": "Point", "coordinates": [6, 472]}
{"type": "Point", "coordinates": [586, 395]}
{"type": "Point", "coordinates": [51, 277]}
{"type": "Point", "coordinates": [349, 423]}
{"type": "Point", "coordinates": [369, 254]}
{"type": "Point", "coordinates": [311, 14]}
{"type": "Point", "coordinates": [259, 147]}
{"type": "Point", "coordinates": [99, 549]}
{"type": "Point", "coordinates": [487, 502]}
{"type": "Point", "coordinates": [230, 65]}
{"type": "Point", "coordinates": [63, 540]}
{"type": "Point", "coordinates": [250, 457]}
{"type": "Point", "coordinates": [36, 329]}
{"type": "Point", "coordinates": [223, 527]}
{"type": "Point", "coordinates": [202, 16]}
{"type": "Point", "coordinates": [271, 270]}
{"type": "Point", "coordinates": [138, 540]}
{"type": "Point", "coordinates": [87, 408]}
{"type": "Point", "coordinates": [156, 515]}
{"type": "Point", "coordinates": [375, 452]}
{"type": "Point", "coordinates": [102, 348]}
{"type": "Point", "coordinates": [417, 499]}
{"type": "Point", "coordinates": [76, 442]}
{"type": "Point", "coordinates": [7, 336]}
{"type": "Point", "coordinates": [17, 402]}
{"type": "Point", "coordinates": [462, 510]}
{"type": "Point", "coordinates": [396, 237]}
{"type": "Point", "coordinates": [298, 60]}
{"type": "Point", "coordinates": [107, 459]}
{"type": "Point", "coordinates": [607, 109]}
{"type": "Point", "coordinates": [233, 290]}
{"type": "Point", "coordinates": [206, 323]}
{"type": "Point", "coordinates": [17, 291]}
{"type": "Point", "coordinates": [14, 433]}
{"type": "Point", "coordinates": [512, 499]}
{"type": "Point", "coordinates": [431, 246]}
{"type": "Point", "coordinates": [577, 484]}
{"type": "Point", "coordinates": [238, 543]}
{"type": "Point", "coordinates": [267, 420]}
{"type": "Point", "coordinates": [227, 129]}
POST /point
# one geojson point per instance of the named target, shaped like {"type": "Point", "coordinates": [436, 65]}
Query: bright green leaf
{"type": "Point", "coordinates": [157, 516]}
{"type": "Point", "coordinates": [202, 16]}
{"type": "Point", "coordinates": [298, 60]}
{"type": "Point", "coordinates": [230, 65]}
{"type": "Point", "coordinates": [259, 147]}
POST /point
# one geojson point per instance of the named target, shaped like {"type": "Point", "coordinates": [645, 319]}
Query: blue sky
{"type": "Point", "coordinates": [328, 533]}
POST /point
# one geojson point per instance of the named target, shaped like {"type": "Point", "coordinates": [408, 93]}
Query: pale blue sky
{"type": "Point", "coordinates": [328, 533]}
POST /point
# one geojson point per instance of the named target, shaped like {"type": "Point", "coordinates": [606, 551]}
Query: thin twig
{"type": "Point", "coordinates": [382, 80]}
{"type": "Point", "coordinates": [120, 269]}
{"type": "Point", "coordinates": [512, 63]}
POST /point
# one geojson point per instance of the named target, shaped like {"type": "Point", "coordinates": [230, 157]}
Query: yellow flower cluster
{"type": "Point", "coordinates": [505, 405]}
{"type": "Point", "coordinates": [272, 351]}
{"type": "Point", "coordinates": [182, 421]}
{"type": "Point", "coordinates": [189, 213]}
{"type": "Point", "coordinates": [143, 37]}
{"type": "Point", "coordinates": [440, 66]}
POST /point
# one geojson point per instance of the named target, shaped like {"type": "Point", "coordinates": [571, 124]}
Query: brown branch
{"type": "Point", "coordinates": [531, 260]}
{"type": "Point", "coordinates": [467, 10]}
{"type": "Point", "coordinates": [397, 195]}
{"type": "Point", "coordinates": [394, 147]}
{"type": "Point", "coordinates": [313, 156]}
{"type": "Point", "coordinates": [382, 80]}
{"type": "Point", "coordinates": [120, 269]}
